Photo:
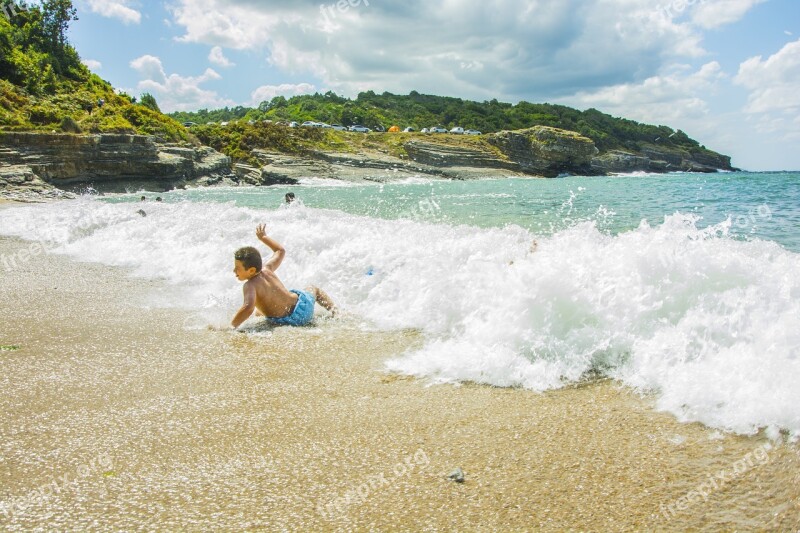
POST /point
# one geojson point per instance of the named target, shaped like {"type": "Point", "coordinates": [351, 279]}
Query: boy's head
{"type": "Point", "coordinates": [289, 197]}
{"type": "Point", "coordinates": [247, 263]}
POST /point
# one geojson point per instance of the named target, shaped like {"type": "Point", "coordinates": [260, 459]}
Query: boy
{"type": "Point", "coordinates": [265, 293]}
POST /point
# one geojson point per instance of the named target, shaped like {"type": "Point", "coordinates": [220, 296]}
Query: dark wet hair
{"type": "Point", "coordinates": [289, 197]}
{"type": "Point", "coordinates": [249, 257]}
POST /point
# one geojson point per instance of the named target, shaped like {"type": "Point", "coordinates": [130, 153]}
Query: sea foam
{"type": "Point", "coordinates": [706, 322]}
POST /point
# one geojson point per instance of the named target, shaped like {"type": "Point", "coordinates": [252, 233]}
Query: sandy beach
{"type": "Point", "coordinates": [118, 417]}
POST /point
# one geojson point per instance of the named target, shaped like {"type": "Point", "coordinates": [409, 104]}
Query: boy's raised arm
{"type": "Point", "coordinates": [278, 253]}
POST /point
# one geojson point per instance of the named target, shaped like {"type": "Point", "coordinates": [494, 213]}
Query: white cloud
{"type": "Point", "coordinates": [673, 97]}
{"type": "Point", "coordinates": [268, 92]}
{"type": "Point", "coordinates": [238, 26]}
{"type": "Point", "coordinates": [217, 57]}
{"type": "Point", "coordinates": [475, 48]}
{"type": "Point", "coordinates": [116, 9]}
{"type": "Point", "coordinates": [715, 13]}
{"type": "Point", "coordinates": [175, 92]}
{"type": "Point", "coordinates": [773, 83]}
{"type": "Point", "coordinates": [149, 67]}
{"type": "Point", "coordinates": [92, 64]}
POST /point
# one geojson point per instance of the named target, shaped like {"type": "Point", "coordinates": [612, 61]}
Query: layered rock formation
{"type": "Point", "coordinates": [37, 166]}
{"type": "Point", "coordinates": [654, 158]}
{"type": "Point", "coordinates": [546, 151]}
{"type": "Point", "coordinates": [34, 165]}
{"type": "Point", "coordinates": [539, 151]}
{"type": "Point", "coordinates": [429, 159]}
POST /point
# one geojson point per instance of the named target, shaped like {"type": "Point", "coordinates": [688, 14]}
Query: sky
{"type": "Point", "coordinates": [727, 72]}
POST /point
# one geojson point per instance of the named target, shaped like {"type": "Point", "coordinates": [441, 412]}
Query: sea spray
{"type": "Point", "coordinates": [705, 321]}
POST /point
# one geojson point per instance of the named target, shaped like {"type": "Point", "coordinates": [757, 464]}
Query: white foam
{"type": "Point", "coordinates": [706, 322]}
{"type": "Point", "coordinates": [327, 182]}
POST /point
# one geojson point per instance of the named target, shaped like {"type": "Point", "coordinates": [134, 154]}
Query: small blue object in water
{"type": "Point", "coordinates": [370, 271]}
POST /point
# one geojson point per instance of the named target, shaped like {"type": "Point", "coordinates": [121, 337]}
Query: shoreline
{"type": "Point", "coordinates": [134, 421]}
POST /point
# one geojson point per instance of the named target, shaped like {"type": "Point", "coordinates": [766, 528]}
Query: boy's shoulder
{"type": "Point", "coordinates": [258, 279]}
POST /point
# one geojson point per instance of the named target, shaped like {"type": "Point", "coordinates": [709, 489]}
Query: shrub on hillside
{"type": "Point", "coordinates": [111, 123]}
{"type": "Point", "coordinates": [45, 114]}
{"type": "Point", "coordinates": [69, 125]}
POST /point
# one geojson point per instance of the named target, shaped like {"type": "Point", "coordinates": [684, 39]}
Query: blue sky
{"type": "Point", "coordinates": [725, 71]}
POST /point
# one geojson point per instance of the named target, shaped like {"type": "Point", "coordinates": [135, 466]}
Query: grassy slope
{"type": "Point", "coordinates": [76, 104]}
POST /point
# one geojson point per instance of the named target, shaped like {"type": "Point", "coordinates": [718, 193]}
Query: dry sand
{"type": "Point", "coordinates": [117, 417]}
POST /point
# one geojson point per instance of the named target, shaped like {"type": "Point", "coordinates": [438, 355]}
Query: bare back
{"type": "Point", "coordinates": [272, 298]}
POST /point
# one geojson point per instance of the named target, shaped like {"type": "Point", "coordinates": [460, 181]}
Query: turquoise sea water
{"type": "Point", "coordinates": [759, 205]}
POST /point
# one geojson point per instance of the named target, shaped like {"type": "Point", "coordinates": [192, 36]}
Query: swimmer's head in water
{"type": "Point", "coordinates": [289, 197]}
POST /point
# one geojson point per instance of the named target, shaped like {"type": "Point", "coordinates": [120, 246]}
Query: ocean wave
{"type": "Point", "coordinates": [704, 321]}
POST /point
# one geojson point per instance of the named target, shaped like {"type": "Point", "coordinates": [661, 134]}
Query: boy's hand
{"type": "Point", "coordinates": [261, 231]}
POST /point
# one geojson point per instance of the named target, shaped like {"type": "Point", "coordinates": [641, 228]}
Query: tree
{"type": "Point", "coordinates": [56, 16]}
{"type": "Point", "coordinates": [149, 101]}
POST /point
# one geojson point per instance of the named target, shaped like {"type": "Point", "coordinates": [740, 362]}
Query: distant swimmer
{"type": "Point", "coordinates": [158, 198]}
{"type": "Point", "coordinates": [143, 198]}
{"type": "Point", "coordinates": [141, 212]}
{"type": "Point", "coordinates": [289, 197]}
{"type": "Point", "coordinates": [264, 292]}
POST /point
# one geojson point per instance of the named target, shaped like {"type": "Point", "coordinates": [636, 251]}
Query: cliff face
{"type": "Point", "coordinates": [546, 151]}
{"type": "Point", "coordinates": [654, 158]}
{"type": "Point", "coordinates": [538, 151]}
{"type": "Point", "coordinates": [110, 162]}
{"type": "Point", "coordinates": [39, 166]}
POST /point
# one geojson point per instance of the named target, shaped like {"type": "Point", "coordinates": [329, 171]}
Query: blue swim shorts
{"type": "Point", "coordinates": [302, 313]}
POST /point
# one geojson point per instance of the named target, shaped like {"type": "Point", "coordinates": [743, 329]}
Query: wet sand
{"type": "Point", "coordinates": [117, 417]}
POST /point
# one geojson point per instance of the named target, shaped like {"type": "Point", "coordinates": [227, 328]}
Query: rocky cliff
{"type": "Point", "coordinates": [546, 151]}
{"type": "Point", "coordinates": [39, 165]}
{"type": "Point", "coordinates": [36, 166]}
{"type": "Point", "coordinates": [654, 158]}
{"type": "Point", "coordinates": [539, 151]}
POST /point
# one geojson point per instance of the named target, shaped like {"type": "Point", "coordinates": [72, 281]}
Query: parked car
{"type": "Point", "coordinates": [323, 125]}
{"type": "Point", "coordinates": [437, 129]}
{"type": "Point", "coordinates": [310, 124]}
{"type": "Point", "coordinates": [189, 124]}
{"type": "Point", "coordinates": [408, 130]}
{"type": "Point", "coordinates": [472, 132]}
{"type": "Point", "coordinates": [338, 127]}
{"type": "Point", "coordinates": [358, 127]}
{"type": "Point", "coordinates": [380, 128]}
{"type": "Point", "coordinates": [293, 124]}
{"type": "Point", "coordinates": [424, 130]}
{"type": "Point", "coordinates": [458, 130]}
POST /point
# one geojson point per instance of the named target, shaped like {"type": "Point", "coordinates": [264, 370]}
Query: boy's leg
{"type": "Point", "coordinates": [323, 298]}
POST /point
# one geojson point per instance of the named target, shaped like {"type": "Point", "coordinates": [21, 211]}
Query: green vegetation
{"type": "Point", "coordinates": [45, 87]}
{"type": "Point", "coordinates": [420, 111]}
{"type": "Point", "coordinates": [9, 347]}
{"type": "Point", "coordinates": [238, 139]}
{"type": "Point", "coordinates": [149, 101]}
